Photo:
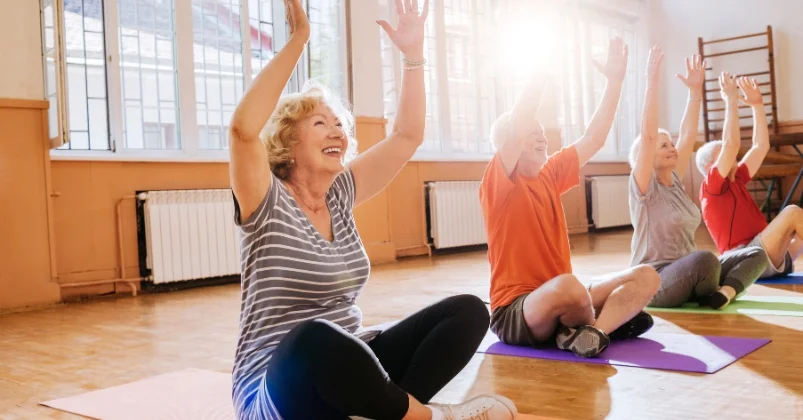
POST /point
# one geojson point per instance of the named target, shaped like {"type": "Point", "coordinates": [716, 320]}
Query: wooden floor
{"type": "Point", "coordinates": [74, 348]}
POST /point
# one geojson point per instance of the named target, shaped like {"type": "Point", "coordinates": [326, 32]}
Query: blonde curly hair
{"type": "Point", "coordinates": [280, 134]}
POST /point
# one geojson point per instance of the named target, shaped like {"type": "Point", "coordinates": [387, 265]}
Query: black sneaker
{"type": "Point", "coordinates": [637, 326]}
{"type": "Point", "coordinates": [585, 341]}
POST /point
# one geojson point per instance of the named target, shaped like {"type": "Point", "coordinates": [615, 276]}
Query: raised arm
{"type": "Point", "coordinates": [376, 167]}
{"type": "Point", "coordinates": [642, 171]}
{"type": "Point", "coordinates": [597, 131]}
{"type": "Point", "coordinates": [694, 80]}
{"type": "Point", "coordinates": [761, 136]}
{"type": "Point", "coordinates": [522, 122]}
{"type": "Point", "coordinates": [730, 133]}
{"type": "Point", "coordinates": [248, 167]}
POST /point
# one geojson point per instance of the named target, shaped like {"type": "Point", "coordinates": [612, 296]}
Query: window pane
{"type": "Point", "coordinates": [327, 44]}
{"type": "Point", "coordinates": [261, 31]}
{"type": "Point", "coordinates": [85, 54]}
{"type": "Point", "coordinates": [49, 53]}
{"type": "Point", "coordinates": [217, 51]}
{"type": "Point", "coordinates": [148, 67]}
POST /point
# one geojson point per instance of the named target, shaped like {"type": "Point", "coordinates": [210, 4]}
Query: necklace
{"type": "Point", "coordinates": [314, 209]}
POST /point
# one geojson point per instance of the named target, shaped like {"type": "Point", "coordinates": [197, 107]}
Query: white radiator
{"type": "Point", "coordinates": [190, 234]}
{"type": "Point", "coordinates": [609, 201]}
{"type": "Point", "coordinates": [455, 214]}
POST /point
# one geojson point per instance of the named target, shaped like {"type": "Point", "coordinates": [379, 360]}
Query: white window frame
{"type": "Point", "coordinates": [620, 21]}
{"type": "Point", "coordinates": [439, 65]}
{"type": "Point", "coordinates": [189, 150]}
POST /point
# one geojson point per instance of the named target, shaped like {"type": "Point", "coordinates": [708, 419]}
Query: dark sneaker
{"type": "Point", "coordinates": [585, 341]}
{"type": "Point", "coordinates": [718, 300]}
{"type": "Point", "coordinates": [638, 325]}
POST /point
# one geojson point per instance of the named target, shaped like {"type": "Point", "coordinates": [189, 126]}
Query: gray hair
{"type": "Point", "coordinates": [706, 155]}
{"type": "Point", "coordinates": [634, 148]}
{"type": "Point", "coordinates": [499, 130]}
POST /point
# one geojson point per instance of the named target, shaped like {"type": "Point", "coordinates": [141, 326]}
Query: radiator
{"type": "Point", "coordinates": [608, 198]}
{"type": "Point", "coordinates": [455, 214]}
{"type": "Point", "coordinates": [190, 234]}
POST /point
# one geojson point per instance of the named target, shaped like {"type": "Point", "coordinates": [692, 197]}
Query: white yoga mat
{"type": "Point", "coordinates": [182, 395]}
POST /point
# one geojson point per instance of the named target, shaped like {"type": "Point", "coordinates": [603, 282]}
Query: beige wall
{"type": "Point", "coordinates": [676, 24]}
{"type": "Point", "coordinates": [21, 50]}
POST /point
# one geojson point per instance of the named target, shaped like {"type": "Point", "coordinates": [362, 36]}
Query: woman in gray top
{"type": "Point", "coordinates": [665, 219]}
{"type": "Point", "coordinates": [302, 352]}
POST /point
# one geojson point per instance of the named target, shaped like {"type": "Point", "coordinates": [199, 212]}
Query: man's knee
{"type": "Point", "coordinates": [791, 215]}
{"type": "Point", "coordinates": [569, 291]}
{"type": "Point", "coordinates": [647, 279]}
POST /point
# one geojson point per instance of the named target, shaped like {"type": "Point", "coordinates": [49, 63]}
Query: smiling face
{"type": "Point", "coordinates": [666, 156]}
{"type": "Point", "coordinates": [322, 143]}
{"type": "Point", "coordinates": [534, 155]}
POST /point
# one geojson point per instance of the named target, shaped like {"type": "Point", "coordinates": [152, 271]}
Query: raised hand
{"type": "Point", "coordinates": [296, 18]}
{"type": "Point", "coordinates": [752, 94]}
{"type": "Point", "coordinates": [727, 87]}
{"type": "Point", "coordinates": [408, 37]}
{"type": "Point", "coordinates": [654, 62]}
{"type": "Point", "coordinates": [616, 64]}
{"type": "Point", "coordinates": [695, 74]}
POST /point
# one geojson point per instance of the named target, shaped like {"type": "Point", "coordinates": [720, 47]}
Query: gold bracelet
{"type": "Point", "coordinates": [412, 65]}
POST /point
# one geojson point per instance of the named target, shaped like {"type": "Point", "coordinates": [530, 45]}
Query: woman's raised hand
{"type": "Point", "coordinates": [408, 37]}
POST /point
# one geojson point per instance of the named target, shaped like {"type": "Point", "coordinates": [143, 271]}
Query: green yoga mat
{"type": "Point", "coordinates": [748, 305]}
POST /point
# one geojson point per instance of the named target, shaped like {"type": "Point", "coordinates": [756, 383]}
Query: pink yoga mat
{"type": "Point", "coordinates": [666, 351]}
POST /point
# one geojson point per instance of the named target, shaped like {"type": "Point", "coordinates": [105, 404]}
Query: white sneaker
{"type": "Point", "coordinates": [483, 407]}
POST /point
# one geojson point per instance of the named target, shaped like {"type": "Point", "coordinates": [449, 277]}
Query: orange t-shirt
{"type": "Point", "coordinates": [528, 241]}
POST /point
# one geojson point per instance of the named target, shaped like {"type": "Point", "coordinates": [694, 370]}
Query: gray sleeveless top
{"type": "Point", "coordinates": [664, 221]}
{"type": "Point", "coordinates": [291, 274]}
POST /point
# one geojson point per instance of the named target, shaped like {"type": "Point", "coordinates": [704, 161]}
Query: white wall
{"type": "Point", "coordinates": [21, 50]}
{"type": "Point", "coordinates": [676, 24]}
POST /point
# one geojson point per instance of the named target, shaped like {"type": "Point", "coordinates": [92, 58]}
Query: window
{"type": "Point", "coordinates": [587, 38]}
{"type": "Point", "coordinates": [459, 80]}
{"type": "Point", "coordinates": [474, 74]}
{"type": "Point", "coordinates": [162, 77]}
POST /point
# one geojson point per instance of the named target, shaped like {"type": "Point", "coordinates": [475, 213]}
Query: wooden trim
{"type": "Point", "coordinates": [24, 103]}
{"type": "Point", "coordinates": [51, 223]}
{"type": "Point", "coordinates": [370, 120]}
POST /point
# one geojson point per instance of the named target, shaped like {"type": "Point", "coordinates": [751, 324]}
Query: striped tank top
{"type": "Point", "coordinates": [292, 274]}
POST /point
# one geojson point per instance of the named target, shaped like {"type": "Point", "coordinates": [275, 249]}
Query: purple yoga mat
{"type": "Point", "coordinates": [667, 351]}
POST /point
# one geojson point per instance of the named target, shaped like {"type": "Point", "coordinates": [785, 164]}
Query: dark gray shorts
{"type": "Point", "coordinates": [508, 323]}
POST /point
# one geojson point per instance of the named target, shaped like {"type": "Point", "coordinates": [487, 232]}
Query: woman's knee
{"type": "Point", "coordinates": [791, 211]}
{"type": "Point", "coordinates": [472, 309]}
{"type": "Point", "coordinates": [705, 262]}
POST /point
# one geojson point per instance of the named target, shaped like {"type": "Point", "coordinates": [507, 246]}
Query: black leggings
{"type": "Point", "coordinates": [320, 371]}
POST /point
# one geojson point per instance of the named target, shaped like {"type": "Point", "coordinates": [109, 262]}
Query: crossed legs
{"type": "Point", "coordinates": [784, 234]}
{"type": "Point", "coordinates": [612, 301]}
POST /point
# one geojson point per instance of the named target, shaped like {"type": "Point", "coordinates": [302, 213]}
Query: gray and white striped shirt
{"type": "Point", "coordinates": [291, 274]}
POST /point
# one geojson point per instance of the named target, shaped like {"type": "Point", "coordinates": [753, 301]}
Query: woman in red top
{"type": "Point", "coordinates": [730, 213]}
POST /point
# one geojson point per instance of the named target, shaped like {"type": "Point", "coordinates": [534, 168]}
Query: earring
{"type": "Point", "coordinates": [292, 161]}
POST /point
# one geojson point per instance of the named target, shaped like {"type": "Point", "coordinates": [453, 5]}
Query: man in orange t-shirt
{"type": "Point", "coordinates": [534, 296]}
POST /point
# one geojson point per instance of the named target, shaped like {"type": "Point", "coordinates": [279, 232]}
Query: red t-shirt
{"type": "Point", "coordinates": [730, 213]}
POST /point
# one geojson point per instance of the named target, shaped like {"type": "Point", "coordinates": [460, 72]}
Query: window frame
{"type": "Point", "coordinates": [188, 129]}
{"type": "Point", "coordinates": [610, 19]}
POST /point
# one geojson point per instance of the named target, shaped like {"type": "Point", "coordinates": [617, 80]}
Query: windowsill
{"type": "Point", "coordinates": [167, 156]}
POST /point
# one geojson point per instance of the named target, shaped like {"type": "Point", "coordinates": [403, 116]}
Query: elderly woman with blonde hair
{"type": "Point", "coordinates": [302, 352]}
{"type": "Point", "coordinates": [665, 219]}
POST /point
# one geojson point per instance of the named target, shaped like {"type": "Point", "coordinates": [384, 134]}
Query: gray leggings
{"type": "Point", "coordinates": [701, 273]}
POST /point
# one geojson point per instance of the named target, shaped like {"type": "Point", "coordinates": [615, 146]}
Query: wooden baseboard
{"type": "Point", "coordinates": [381, 252]}
{"type": "Point", "coordinates": [412, 251]}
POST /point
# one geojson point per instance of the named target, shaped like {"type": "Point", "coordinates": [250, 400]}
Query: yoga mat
{"type": "Point", "coordinates": [183, 395]}
{"type": "Point", "coordinates": [747, 305]}
{"type": "Point", "coordinates": [666, 351]}
{"type": "Point", "coordinates": [793, 278]}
